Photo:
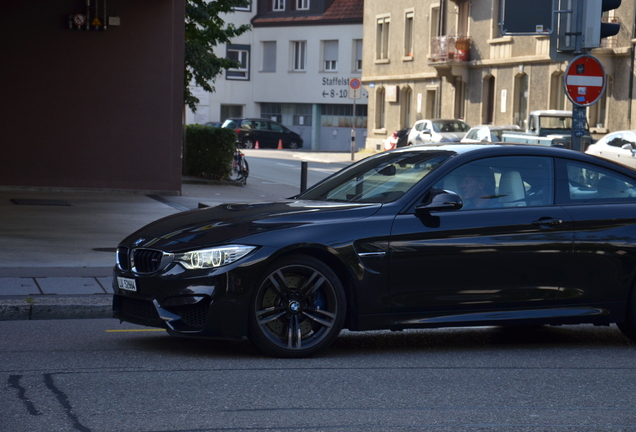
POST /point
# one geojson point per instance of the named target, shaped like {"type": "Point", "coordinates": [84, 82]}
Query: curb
{"type": "Point", "coordinates": [55, 307]}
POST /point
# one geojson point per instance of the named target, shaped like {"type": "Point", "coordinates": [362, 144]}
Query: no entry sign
{"type": "Point", "coordinates": [584, 80]}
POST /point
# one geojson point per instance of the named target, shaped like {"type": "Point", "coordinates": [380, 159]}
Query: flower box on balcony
{"type": "Point", "coordinates": [463, 48]}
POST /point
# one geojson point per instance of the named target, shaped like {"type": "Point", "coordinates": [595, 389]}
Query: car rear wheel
{"type": "Point", "coordinates": [629, 326]}
{"type": "Point", "coordinates": [298, 308]}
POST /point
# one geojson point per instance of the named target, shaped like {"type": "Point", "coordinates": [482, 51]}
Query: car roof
{"type": "Point", "coordinates": [251, 118]}
{"type": "Point", "coordinates": [499, 149]}
{"type": "Point", "coordinates": [623, 131]}
{"type": "Point", "coordinates": [556, 113]}
{"type": "Point", "coordinates": [496, 127]}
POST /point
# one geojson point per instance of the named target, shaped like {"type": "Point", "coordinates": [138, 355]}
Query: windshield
{"type": "Point", "coordinates": [555, 122]}
{"type": "Point", "coordinates": [450, 126]}
{"type": "Point", "coordinates": [380, 179]}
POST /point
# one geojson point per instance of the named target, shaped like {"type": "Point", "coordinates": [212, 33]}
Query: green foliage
{"type": "Point", "coordinates": [204, 29]}
{"type": "Point", "coordinates": [209, 151]}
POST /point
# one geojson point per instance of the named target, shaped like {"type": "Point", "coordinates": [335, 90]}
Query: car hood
{"type": "Point", "coordinates": [229, 223]}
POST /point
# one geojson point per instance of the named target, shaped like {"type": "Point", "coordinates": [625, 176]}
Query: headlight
{"type": "Point", "coordinates": [213, 257]}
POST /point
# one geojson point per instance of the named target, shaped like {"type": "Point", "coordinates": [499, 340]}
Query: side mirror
{"type": "Point", "coordinates": [426, 131]}
{"type": "Point", "coordinates": [440, 200]}
{"type": "Point", "coordinates": [388, 170]}
{"type": "Point", "coordinates": [628, 146]}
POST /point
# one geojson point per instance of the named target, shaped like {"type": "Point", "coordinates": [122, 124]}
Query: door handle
{"type": "Point", "coordinates": [547, 222]}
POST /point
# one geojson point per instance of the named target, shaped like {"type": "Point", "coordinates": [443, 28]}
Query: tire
{"type": "Point", "coordinates": [248, 143]}
{"type": "Point", "coordinates": [240, 171]}
{"type": "Point", "coordinates": [293, 145]}
{"type": "Point", "coordinates": [629, 326]}
{"type": "Point", "coordinates": [298, 308]}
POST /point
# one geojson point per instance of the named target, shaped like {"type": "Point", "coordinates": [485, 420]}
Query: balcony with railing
{"type": "Point", "coordinates": [449, 55]}
{"type": "Point", "coordinates": [449, 48]}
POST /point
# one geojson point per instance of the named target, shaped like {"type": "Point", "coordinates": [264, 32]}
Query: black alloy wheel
{"type": "Point", "coordinates": [298, 308]}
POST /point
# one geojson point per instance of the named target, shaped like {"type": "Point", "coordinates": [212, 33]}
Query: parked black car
{"type": "Point", "coordinates": [422, 236]}
{"type": "Point", "coordinates": [403, 136]}
{"type": "Point", "coordinates": [266, 132]}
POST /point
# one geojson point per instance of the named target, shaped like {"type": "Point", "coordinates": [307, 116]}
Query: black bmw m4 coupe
{"type": "Point", "coordinates": [418, 237]}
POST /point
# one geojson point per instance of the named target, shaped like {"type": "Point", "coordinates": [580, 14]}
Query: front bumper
{"type": "Point", "coordinates": [201, 304]}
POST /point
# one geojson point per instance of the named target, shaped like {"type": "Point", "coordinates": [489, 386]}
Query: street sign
{"type": "Point", "coordinates": [523, 17]}
{"type": "Point", "coordinates": [356, 88]}
{"type": "Point", "coordinates": [584, 80]}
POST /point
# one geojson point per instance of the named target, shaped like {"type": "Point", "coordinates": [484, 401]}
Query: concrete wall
{"type": "Point", "coordinates": [92, 109]}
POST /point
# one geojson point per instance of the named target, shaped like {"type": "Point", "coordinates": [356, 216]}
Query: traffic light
{"type": "Point", "coordinates": [593, 28]}
{"type": "Point", "coordinates": [609, 29]}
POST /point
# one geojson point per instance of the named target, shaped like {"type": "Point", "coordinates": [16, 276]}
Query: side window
{"type": "Point", "coordinates": [615, 142]}
{"type": "Point", "coordinates": [500, 182]}
{"type": "Point", "coordinates": [585, 183]}
{"type": "Point", "coordinates": [473, 134]}
{"type": "Point", "coordinates": [483, 135]}
{"type": "Point", "coordinates": [276, 127]}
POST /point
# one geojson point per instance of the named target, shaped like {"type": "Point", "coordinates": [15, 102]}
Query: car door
{"type": "Point", "coordinates": [415, 134]}
{"type": "Point", "coordinates": [470, 264]}
{"type": "Point", "coordinates": [611, 148]}
{"type": "Point", "coordinates": [265, 133]}
{"type": "Point", "coordinates": [626, 154]}
{"type": "Point", "coordinates": [278, 134]}
{"type": "Point", "coordinates": [602, 203]}
{"type": "Point", "coordinates": [427, 131]}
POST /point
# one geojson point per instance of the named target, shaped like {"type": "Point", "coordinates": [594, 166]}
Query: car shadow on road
{"type": "Point", "coordinates": [472, 338]}
{"type": "Point", "coordinates": [457, 340]}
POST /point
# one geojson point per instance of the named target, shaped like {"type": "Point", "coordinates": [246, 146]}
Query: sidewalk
{"type": "Point", "coordinates": [58, 247]}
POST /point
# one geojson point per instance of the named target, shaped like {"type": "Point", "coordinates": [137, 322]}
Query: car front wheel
{"type": "Point", "coordinates": [248, 144]}
{"type": "Point", "coordinates": [298, 308]}
{"type": "Point", "coordinates": [293, 145]}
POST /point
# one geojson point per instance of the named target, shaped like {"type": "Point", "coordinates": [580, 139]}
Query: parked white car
{"type": "Point", "coordinates": [435, 131]}
{"type": "Point", "coordinates": [619, 147]}
{"type": "Point", "coordinates": [488, 133]}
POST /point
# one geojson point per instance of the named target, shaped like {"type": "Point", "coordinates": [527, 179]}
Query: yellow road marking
{"type": "Point", "coordinates": [135, 330]}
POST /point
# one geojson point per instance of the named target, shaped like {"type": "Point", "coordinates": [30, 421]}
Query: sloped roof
{"type": "Point", "coordinates": [345, 11]}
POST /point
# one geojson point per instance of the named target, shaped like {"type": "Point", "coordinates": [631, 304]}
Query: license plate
{"type": "Point", "coordinates": [126, 284]}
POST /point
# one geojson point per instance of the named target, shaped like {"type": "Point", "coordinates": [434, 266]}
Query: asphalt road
{"type": "Point", "coordinates": [97, 375]}
{"type": "Point", "coordinates": [282, 170]}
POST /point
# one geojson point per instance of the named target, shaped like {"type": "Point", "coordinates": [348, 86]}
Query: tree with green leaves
{"type": "Point", "coordinates": [204, 30]}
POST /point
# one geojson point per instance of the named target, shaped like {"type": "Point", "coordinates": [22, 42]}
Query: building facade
{"type": "Point", "coordinates": [449, 59]}
{"type": "Point", "coordinates": [297, 65]}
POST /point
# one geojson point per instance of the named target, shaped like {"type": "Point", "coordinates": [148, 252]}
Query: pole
{"type": "Point", "coordinates": [303, 176]}
{"type": "Point", "coordinates": [353, 132]}
{"type": "Point", "coordinates": [579, 123]}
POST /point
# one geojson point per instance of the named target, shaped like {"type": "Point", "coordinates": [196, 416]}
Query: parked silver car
{"type": "Point", "coordinates": [437, 131]}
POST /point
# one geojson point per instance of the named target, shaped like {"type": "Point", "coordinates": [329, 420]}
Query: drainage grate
{"type": "Point", "coordinates": [40, 202]}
